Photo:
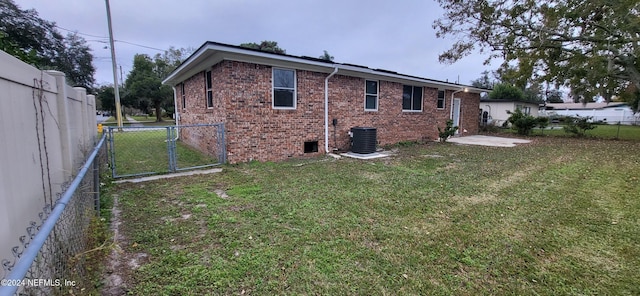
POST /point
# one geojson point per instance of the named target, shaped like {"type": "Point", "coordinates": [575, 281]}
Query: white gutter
{"type": "Point", "coordinates": [326, 109]}
{"type": "Point", "coordinates": [176, 114]}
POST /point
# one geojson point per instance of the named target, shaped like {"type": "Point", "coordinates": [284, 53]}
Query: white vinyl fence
{"type": "Point", "coordinates": [47, 129]}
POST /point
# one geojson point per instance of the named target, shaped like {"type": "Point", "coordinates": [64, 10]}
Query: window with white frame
{"type": "Point", "coordinates": [284, 88]}
{"type": "Point", "coordinates": [208, 84]}
{"type": "Point", "coordinates": [411, 98]}
{"type": "Point", "coordinates": [371, 95]}
{"type": "Point", "coordinates": [184, 96]}
{"type": "Point", "coordinates": [441, 101]}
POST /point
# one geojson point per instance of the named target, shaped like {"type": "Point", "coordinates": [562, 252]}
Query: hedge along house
{"type": "Point", "coordinates": [277, 106]}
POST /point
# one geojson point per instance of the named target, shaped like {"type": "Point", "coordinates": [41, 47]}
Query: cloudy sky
{"type": "Point", "coordinates": [392, 35]}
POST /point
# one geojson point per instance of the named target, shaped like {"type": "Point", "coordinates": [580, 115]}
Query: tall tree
{"type": "Point", "coordinates": [269, 46]}
{"type": "Point", "coordinates": [144, 82]}
{"type": "Point", "coordinates": [26, 36]}
{"type": "Point", "coordinates": [145, 85]}
{"type": "Point", "coordinates": [593, 46]}
{"type": "Point", "coordinates": [75, 59]}
{"type": "Point", "coordinates": [106, 94]}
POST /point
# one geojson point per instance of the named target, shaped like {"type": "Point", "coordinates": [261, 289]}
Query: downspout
{"type": "Point", "coordinates": [176, 114]}
{"type": "Point", "coordinates": [326, 109]}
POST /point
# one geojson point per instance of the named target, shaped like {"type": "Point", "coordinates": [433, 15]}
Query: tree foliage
{"type": "Point", "coordinates": [631, 96]}
{"type": "Point", "coordinates": [106, 95]}
{"type": "Point", "coordinates": [143, 86]}
{"type": "Point", "coordinates": [36, 41]}
{"type": "Point", "coordinates": [502, 91]}
{"type": "Point", "coordinates": [269, 46]}
{"type": "Point", "coordinates": [593, 47]}
{"type": "Point", "coordinates": [326, 56]}
{"type": "Point", "coordinates": [554, 96]}
{"type": "Point", "coordinates": [484, 81]}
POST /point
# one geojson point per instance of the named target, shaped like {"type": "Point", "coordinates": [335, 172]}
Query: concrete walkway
{"type": "Point", "coordinates": [133, 122]}
{"type": "Point", "coordinates": [487, 141]}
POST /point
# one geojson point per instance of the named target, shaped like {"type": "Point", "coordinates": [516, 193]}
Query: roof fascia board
{"type": "Point", "coordinates": [201, 60]}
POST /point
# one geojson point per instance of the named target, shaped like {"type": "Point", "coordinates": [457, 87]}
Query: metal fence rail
{"type": "Point", "coordinates": [49, 260]}
{"type": "Point", "coordinates": [139, 151]}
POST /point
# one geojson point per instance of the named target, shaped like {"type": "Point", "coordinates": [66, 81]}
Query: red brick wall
{"type": "Point", "coordinates": [256, 131]}
{"type": "Point", "coordinates": [470, 113]}
{"type": "Point", "coordinates": [346, 101]}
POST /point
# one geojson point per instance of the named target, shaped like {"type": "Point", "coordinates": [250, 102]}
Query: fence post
{"type": "Point", "coordinates": [92, 121]}
{"type": "Point", "coordinates": [96, 181]}
{"type": "Point", "coordinates": [81, 95]}
{"type": "Point", "coordinates": [63, 120]}
{"type": "Point", "coordinates": [221, 139]}
{"type": "Point", "coordinates": [112, 152]}
{"type": "Point", "coordinates": [170, 151]}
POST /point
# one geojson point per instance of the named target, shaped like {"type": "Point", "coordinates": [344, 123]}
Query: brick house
{"type": "Point", "coordinates": [277, 106]}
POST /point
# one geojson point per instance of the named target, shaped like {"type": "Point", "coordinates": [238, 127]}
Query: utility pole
{"type": "Point", "coordinates": [115, 68]}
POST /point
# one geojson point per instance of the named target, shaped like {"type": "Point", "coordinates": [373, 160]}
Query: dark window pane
{"type": "Point", "coordinates": [440, 103]}
{"type": "Point", "coordinates": [283, 98]}
{"type": "Point", "coordinates": [283, 78]}
{"type": "Point", "coordinates": [372, 87]}
{"type": "Point", "coordinates": [441, 94]}
{"type": "Point", "coordinates": [406, 97]}
{"type": "Point", "coordinates": [208, 79]}
{"type": "Point", "coordinates": [209, 99]}
{"type": "Point", "coordinates": [370, 102]}
{"type": "Point", "coordinates": [417, 98]}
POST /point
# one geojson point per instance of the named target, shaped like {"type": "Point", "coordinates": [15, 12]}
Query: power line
{"type": "Point", "coordinates": [79, 33]}
{"type": "Point", "coordinates": [106, 39]}
{"type": "Point", "coordinates": [140, 45]}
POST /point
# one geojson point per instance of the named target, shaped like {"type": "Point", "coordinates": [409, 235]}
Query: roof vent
{"type": "Point", "coordinates": [364, 140]}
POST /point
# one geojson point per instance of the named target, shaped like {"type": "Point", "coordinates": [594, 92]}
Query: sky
{"type": "Point", "coordinates": [392, 35]}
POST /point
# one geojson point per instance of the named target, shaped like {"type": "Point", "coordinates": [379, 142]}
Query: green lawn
{"type": "Point", "coordinates": [145, 151]}
{"type": "Point", "coordinates": [554, 217]}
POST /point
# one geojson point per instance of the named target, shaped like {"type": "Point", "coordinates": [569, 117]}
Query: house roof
{"type": "Point", "coordinates": [211, 53]}
{"type": "Point", "coordinates": [580, 106]}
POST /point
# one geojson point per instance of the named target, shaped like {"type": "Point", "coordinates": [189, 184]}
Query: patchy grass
{"type": "Point", "coordinates": [551, 218]}
{"type": "Point", "coordinates": [145, 151]}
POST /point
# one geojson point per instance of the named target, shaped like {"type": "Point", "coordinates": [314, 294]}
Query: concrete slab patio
{"type": "Point", "coordinates": [487, 141]}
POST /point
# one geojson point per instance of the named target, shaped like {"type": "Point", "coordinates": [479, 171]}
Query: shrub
{"type": "Point", "coordinates": [578, 125]}
{"type": "Point", "coordinates": [448, 131]}
{"type": "Point", "coordinates": [522, 123]}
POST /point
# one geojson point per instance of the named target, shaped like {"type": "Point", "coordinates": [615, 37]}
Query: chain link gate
{"type": "Point", "coordinates": [139, 151]}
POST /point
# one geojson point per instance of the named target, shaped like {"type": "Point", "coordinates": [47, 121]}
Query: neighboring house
{"type": "Point", "coordinates": [612, 113]}
{"type": "Point", "coordinates": [276, 106]}
{"type": "Point", "coordinates": [496, 112]}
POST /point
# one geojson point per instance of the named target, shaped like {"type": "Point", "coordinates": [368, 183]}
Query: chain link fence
{"type": "Point", "coordinates": [138, 151]}
{"type": "Point", "coordinates": [53, 257]}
